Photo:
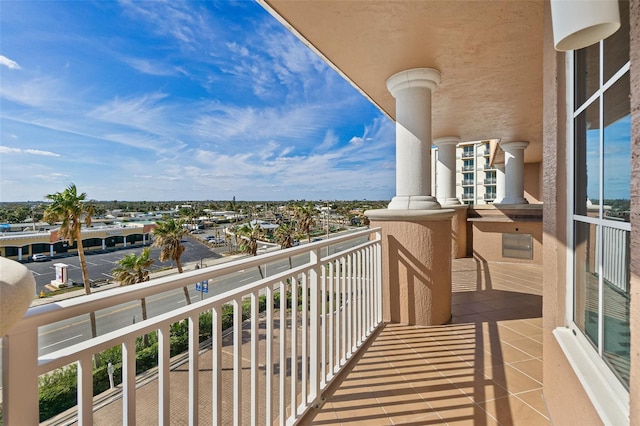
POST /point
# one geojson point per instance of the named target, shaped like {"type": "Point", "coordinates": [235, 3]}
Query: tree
{"type": "Point", "coordinates": [305, 219]}
{"type": "Point", "coordinates": [134, 269]}
{"type": "Point", "coordinates": [69, 208]}
{"type": "Point", "coordinates": [284, 237]}
{"type": "Point", "coordinates": [249, 243]}
{"type": "Point", "coordinates": [168, 235]}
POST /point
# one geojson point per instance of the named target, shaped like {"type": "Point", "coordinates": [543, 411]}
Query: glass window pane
{"type": "Point", "coordinates": [586, 280]}
{"type": "Point", "coordinates": [587, 161]}
{"type": "Point", "coordinates": [616, 296]}
{"type": "Point", "coordinates": [587, 73]}
{"type": "Point", "coordinates": [616, 47]}
{"type": "Point", "coordinates": [617, 151]}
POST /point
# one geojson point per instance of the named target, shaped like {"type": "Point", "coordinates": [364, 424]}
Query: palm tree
{"type": "Point", "coordinates": [134, 269]}
{"type": "Point", "coordinates": [69, 208]}
{"type": "Point", "coordinates": [305, 220]}
{"type": "Point", "coordinates": [284, 237]}
{"type": "Point", "coordinates": [168, 235]}
{"type": "Point", "coordinates": [249, 243]}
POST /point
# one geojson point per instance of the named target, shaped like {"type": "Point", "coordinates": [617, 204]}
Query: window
{"type": "Point", "coordinates": [601, 197]}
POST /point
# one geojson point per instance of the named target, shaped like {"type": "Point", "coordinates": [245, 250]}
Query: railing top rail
{"type": "Point", "coordinates": [49, 313]}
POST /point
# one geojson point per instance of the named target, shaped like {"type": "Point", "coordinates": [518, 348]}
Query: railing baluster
{"type": "Point", "coordinates": [323, 327]}
{"type": "Point", "coordinates": [314, 346]}
{"type": "Point", "coordinates": [378, 259]}
{"type": "Point", "coordinates": [269, 358]}
{"type": "Point", "coordinates": [129, 380]}
{"type": "Point", "coordinates": [194, 368]}
{"type": "Point", "coordinates": [305, 332]}
{"type": "Point", "coordinates": [164, 358]}
{"type": "Point", "coordinates": [216, 364]}
{"type": "Point", "coordinates": [85, 389]}
{"type": "Point", "coordinates": [237, 362]}
{"type": "Point", "coordinates": [331, 315]}
{"type": "Point", "coordinates": [343, 308]}
{"type": "Point", "coordinates": [283, 354]}
{"type": "Point", "coordinates": [294, 347]}
{"type": "Point", "coordinates": [254, 357]}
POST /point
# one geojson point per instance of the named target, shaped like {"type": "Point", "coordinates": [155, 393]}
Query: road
{"type": "Point", "coordinates": [100, 264]}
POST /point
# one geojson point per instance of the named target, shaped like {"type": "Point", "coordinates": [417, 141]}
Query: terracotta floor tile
{"type": "Point", "coordinates": [527, 345]}
{"type": "Point", "coordinates": [515, 381]}
{"type": "Point", "coordinates": [532, 368]}
{"type": "Point", "coordinates": [534, 399]}
{"type": "Point", "coordinates": [508, 354]}
{"type": "Point", "coordinates": [469, 416]}
{"type": "Point", "coordinates": [513, 411]}
{"type": "Point", "coordinates": [521, 326]}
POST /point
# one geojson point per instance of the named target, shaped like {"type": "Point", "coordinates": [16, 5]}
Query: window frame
{"type": "Point", "coordinates": [608, 395]}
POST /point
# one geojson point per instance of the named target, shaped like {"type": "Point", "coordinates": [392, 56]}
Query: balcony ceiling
{"type": "Point", "coordinates": [489, 54]}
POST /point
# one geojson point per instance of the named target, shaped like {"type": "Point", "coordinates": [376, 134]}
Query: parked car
{"type": "Point", "coordinates": [39, 257]}
{"type": "Point", "coordinates": [316, 239]}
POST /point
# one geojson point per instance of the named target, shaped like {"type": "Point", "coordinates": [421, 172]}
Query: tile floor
{"type": "Point", "coordinates": [485, 368]}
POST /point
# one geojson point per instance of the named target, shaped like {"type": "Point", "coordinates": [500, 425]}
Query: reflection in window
{"type": "Point", "coordinates": [617, 151]}
{"type": "Point", "coordinates": [587, 159]}
{"type": "Point", "coordinates": [586, 280]}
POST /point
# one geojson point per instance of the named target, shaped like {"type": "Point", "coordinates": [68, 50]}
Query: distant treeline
{"type": "Point", "coordinates": [31, 211]}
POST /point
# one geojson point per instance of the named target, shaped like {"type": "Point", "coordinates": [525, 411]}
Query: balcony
{"type": "Point", "coordinates": [490, 181]}
{"type": "Point", "coordinates": [467, 154]}
{"type": "Point", "coordinates": [467, 182]}
{"type": "Point", "coordinates": [467, 168]}
{"type": "Point", "coordinates": [485, 366]}
{"type": "Point", "coordinates": [490, 196]}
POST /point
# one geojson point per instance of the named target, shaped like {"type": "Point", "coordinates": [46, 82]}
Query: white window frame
{"type": "Point", "coordinates": [608, 395]}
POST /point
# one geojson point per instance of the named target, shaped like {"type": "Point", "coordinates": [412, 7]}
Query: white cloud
{"type": "Point", "coordinates": [12, 65]}
{"type": "Point", "coordinates": [155, 68]}
{"type": "Point", "coordinates": [9, 150]}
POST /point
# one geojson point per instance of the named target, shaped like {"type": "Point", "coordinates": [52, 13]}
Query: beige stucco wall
{"type": "Point", "coordinates": [416, 270]}
{"type": "Point", "coordinates": [635, 213]}
{"type": "Point", "coordinates": [488, 238]}
{"type": "Point", "coordinates": [533, 182]}
{"type": "Point", "coordinates": [565, 397]}
{"type": "Point", "coordinates": [459, 238]}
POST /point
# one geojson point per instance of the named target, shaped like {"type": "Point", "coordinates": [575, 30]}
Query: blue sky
{"type": "Point", "coordinates": [178, 101]}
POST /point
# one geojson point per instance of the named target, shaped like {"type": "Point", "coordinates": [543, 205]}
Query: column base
{"type": "Point", "coordinates": [450, 202]}
{"type": "Point", "coordinates": [512, 201]}
{"type": "Point", "coordinates": [414, 202]}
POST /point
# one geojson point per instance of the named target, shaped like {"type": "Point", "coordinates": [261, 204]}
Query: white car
{"type": "Point", "coordinates": [39, 258]}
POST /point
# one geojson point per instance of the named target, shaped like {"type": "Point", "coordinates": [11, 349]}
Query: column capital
{"type": "Point", "coordinates": [427, 78]}
{"type": "Point", "coordinates": [446, 140]}
{"type": "Point", "coordinates": [513, 146]}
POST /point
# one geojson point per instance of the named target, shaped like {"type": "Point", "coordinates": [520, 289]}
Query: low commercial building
{"type": "Point", "coordinates": [20, 245]}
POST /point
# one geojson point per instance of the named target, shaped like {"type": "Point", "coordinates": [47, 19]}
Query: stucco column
{"type": "Point", "coordinates": [19, 253]}
{"type": "Point", "coordinates": [412, 90]}
{"type": "Point", "coordinates": [446, 170]}
{"type": "Point", "coordinates": [104, 244]}
{"type": "Point", "coordinates": [416, 264]}
{"type": "Point", "coordinates": [500, 183]}
{"type": "Point", "coordinates": [514, 172]}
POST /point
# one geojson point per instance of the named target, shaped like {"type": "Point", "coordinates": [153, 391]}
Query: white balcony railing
{"type": "Point", "coordinates": [615, 262]}
{"type": "Point", "coordinates": [339, 305]}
